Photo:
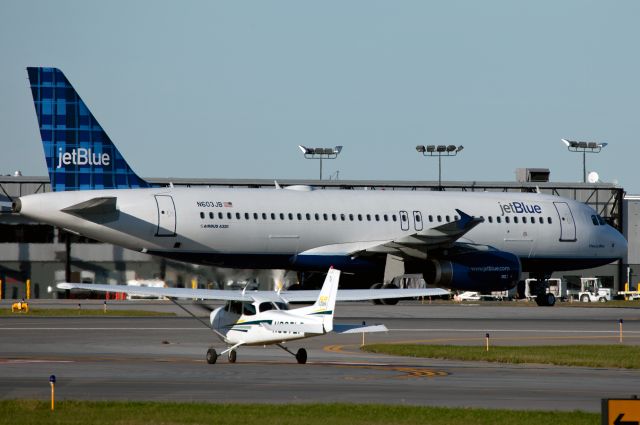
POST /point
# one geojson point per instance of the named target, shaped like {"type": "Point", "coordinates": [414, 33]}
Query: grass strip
{"type": "Point", "coordinates": [71, 312]}
{"type": "Point", "coordinates": [17, 412]}
{"type": "Point", "coordinates": [611, 356]}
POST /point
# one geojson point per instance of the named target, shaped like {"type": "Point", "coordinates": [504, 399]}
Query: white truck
{"type": "Point", "coordinates": [557, 289]}
{"type": "Point", "coordinates": [591, 290]}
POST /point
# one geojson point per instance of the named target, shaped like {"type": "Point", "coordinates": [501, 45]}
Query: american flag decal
{"type": "Point", "coordinates": [227, 204]}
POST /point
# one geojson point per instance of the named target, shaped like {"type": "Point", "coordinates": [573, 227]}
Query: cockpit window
{"type": "Point", "coordinates": [594, 219]}
{"type": "Point", "coordinates": [248, 309]}
{"type": "Point", "coordinates": [601, 221]}
{"type": "Point", "coordinates": [282, 306]}
{"type": "Point", "coordinates": [234, 307]}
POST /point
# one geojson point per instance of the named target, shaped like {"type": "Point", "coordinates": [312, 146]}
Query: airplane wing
{"type": "Point", "coordinates": [287, 296]}
{"type": "Point", "coordinates": [415, 245]}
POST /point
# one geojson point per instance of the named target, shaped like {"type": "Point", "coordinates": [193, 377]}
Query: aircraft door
{"type": "Point", "coordinates": [567, 223]}
{"type": "Point", "coordinates": [417, 220]}
{"type": "Point", "coordinates": [166, 216]}
{"type": "Point", "coordinates": [404, 220]}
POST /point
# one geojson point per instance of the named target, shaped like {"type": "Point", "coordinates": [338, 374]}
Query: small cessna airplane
{"type": "Point", "coordinates": [263, 317]}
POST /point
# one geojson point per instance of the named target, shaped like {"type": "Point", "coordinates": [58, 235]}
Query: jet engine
{"type": "Point", "coordinates": [480, 268]}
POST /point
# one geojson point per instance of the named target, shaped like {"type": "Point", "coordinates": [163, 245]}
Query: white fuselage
{"type": "Point", "coordinates": [309, 230]}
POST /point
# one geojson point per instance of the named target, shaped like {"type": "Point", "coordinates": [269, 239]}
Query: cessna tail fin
{"type": "Point", "coordinates": [79, 153]}
{"type": "Point", "coordinates": [326, 303]}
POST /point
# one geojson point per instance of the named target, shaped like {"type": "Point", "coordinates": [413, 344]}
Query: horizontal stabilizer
{"type": "Point", "coordinates": [95, 206]}
{"type": "Point", "coordinates": [358, 329]}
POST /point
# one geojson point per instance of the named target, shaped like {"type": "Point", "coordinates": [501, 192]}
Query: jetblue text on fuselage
{"type": "Point", "coordinates": [520, 208]}
{"type": "Point", "coordinates": [82, 156]}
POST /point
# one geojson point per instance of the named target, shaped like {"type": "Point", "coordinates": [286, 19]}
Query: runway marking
{"type": "Point", "coordinates": [509, 330]}
{"type": "Point", "coordinates": [102, 329]}
{"type": "Point", "coordinates": [23, 361]}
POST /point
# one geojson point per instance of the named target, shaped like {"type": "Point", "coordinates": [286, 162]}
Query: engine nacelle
{"type": "Point", "coordinates": [474, 270]}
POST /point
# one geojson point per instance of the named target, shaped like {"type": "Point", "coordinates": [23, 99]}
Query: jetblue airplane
{"type": "Point", "coordinates": [457, 240]}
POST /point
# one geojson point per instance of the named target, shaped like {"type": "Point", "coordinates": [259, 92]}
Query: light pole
{"type": "Point", "coordinates": [439, 151]}
{"type": "Point", "coordinates": [320, 153]}
{"type": "Point", "coordinates": [584, 147]}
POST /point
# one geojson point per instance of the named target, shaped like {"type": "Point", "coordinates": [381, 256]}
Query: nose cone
{"type": "Point", "coordinates": [618, 243]}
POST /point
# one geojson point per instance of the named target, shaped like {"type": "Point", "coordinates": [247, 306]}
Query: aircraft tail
{"type": "Point", "coordinates": [78, 152]}
{"type": "Point", "coordinates": [325, 305]}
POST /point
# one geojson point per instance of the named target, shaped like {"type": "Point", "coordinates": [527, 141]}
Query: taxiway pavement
{"type": "Point", "coordinates": [120, 358]}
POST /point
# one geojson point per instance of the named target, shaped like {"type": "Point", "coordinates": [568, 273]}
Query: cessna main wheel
{"type": "Point", "coordinates": [212, 356]}
{"type": "Point", "coordinates": [301, 356]}
{"type": "Point", "coordinates": [232, 356]}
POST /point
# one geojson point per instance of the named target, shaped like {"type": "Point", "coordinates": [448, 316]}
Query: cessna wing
{"type": "Point", "coordinates": [286, 296]}
{"type": "Point", "coordinates": [415, 245]}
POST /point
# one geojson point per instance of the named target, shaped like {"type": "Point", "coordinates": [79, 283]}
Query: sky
{"type": "Point", "coordinates": [210, 89]}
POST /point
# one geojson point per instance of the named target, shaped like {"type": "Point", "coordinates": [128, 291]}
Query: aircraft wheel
{"type": "Point", "coordinates": [232, 356]}
{"type": "Point", "coordinates": [390, 301]}
{"type": "Point", "coordinates": [301, 356]}
{"type": "Point", "coordinates": [376, 286]}
{"type": "Point", "coordinates": [212, 356]}
{"type": "Point", "coordinates": [551, 300]}
{"type": "Point", "coordinates": [584, 298]}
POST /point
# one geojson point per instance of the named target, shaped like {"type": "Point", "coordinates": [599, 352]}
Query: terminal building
{"type": "Point", "coordinates": [45, 255]}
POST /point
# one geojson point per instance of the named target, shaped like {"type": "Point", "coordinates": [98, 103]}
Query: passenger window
{"type": "Point", "coordinates": [211, 215]}
{"type": "Point", "coordinates": [290, 216]}
{"type": "Point", "coordinates": [541, 220]}
{"type": "Point", "coordinates": [342, 217]}
{"type": "Point", "coordinates": [325, 216]}
{"type": "Point", "coordinates": [549, 220]}
{"type": "Point", "coordinates": [490, 219]}
{"type": "Point", "coordinates": [430, 219]}
{"type": "Point", "coordinates": [350, 217]}
{"type": "Point", "coordinates": [515, 219]}
{"type": "Point", "coordinates": [238, 216]}
{"type": "Point", "coordinates": [533, 220]}
{"type": "Point", "coordinates": [393, 217]}
{"type": "Point", "coordinates": [418, 219]}
{"type": "Point", "coordinates": [202, 215]}
{"type": "Point", "coordinates": [246, 216]}
{"type": "Point", "coordinates": [317, 216]}
{"type": "Point", "coordinates": [220, 215]}
{"type": "Point", "coordinates": [368, 217]}
{"type": "Point", "coordinates": [498, 219]}
{"type": "Point", "coordinates": [266, 306]}
{"type": "Point", "coordinates": [506, 219]}
{"type": "Point", "coordinates": [439, 219]}
{"type": "Point", "coordinates": [299, 216]}
{"type": "Point", "coordinates": [377, 217]}
{"type": "Point", "coordinates": [255, 216]}
{"type": "Point", "coordinates": [229, 216]}
{"type": "Point", "coordinates": [334, 217]}
{"type": "Point", "coordinates": [386, 217]}
{"type": "Point", "coordinates": [273, 216]}
{"type": "Point", "coordinates": [308, 216]}
{"type": "Point", "coordinates": [456, 218]}
{"type": "Point", "coordinates": [359, 217]}
{"type": "Point", "coordinates": [524, 219]}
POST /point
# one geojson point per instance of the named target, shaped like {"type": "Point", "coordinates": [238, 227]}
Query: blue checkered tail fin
{"type": "Point", "coordinates": [79, 154]}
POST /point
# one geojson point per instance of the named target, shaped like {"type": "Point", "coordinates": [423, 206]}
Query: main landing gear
{"type": "Point", "coordinates": [539, 289]}
{"type": "Point", "coordinates": [212, 355]}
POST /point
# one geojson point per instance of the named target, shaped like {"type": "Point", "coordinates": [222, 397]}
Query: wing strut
{"type": "Point", "coordinates": [197, 318]}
